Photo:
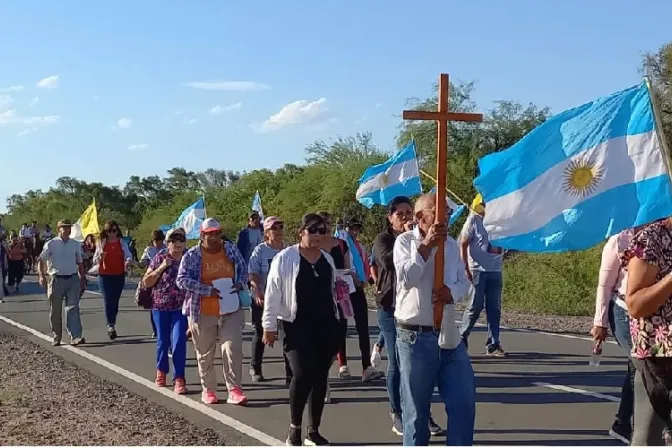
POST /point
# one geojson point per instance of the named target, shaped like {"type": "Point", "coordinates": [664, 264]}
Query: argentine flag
{"type": "Point", "coordinates": [457, 210]}
{"type": "Point", "coordinates": [580, 177]}
{"type": "Point", "coordinates": [399, 176]}
{"type": "Point", "coordinates": [191, 218]}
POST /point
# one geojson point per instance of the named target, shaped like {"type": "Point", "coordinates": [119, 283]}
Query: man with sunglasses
{"type": "Point", "coordinates": [427, 357]}
{"type": "Point", "coordinates": [250, 237]}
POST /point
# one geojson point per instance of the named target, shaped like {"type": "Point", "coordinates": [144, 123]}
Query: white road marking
{"type": "Point", "coordinates": [575, 390]}
{"type": "Point", "coordinates": [210, 412]}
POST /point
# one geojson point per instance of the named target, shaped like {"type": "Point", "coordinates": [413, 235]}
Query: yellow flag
{"type": "Point", "coordinates": [86, 224]}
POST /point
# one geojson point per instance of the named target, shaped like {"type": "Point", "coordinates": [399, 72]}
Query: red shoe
{"type": "Point", "coordinates": [209, 397]}
{"type": "Point", "coordinates": [160, 380]}
{"type": "Point", "coordinates": [180, 386]}
{"type": "Point", "coordinates": [236, 396]}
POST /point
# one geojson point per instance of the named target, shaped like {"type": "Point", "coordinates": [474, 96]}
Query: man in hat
{"type": "Point", "coordinates": [61, 273]}
{"type": "Point", "coordinates": [250, 237]}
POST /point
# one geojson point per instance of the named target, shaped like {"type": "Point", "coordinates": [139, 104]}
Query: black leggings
{"type": "Point", "coordinates": [310, 358]}
{"type": "Point", "coordinates": [361, 315]}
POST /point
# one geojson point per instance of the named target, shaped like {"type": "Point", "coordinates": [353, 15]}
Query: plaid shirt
{"type": "Point", "coordinates": [189, 277]}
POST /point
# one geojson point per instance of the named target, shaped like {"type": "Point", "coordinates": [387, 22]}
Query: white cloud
{"type": "Point", "coordinates": [378, 105]}
{"type": "Point", "coordinates": [50, 82]}
{"type": "Point", "coordinates": [138, 147]}
{"type": "Point", "coordinates": [11, 117]}
{"type": "Point", "coordinates": [190, 120]}
{"type": "Point", "coordinates": [34, 101]}
{"type": "Point", "coordinates": [5, 102]}
{"type": "Point", "coordinates": [124, 123]}
{"type": "Point", "coordinates": [237, 86]}
{"type": "Point", "coordinates": [96, 97]}
{"type": "Point", "coordinates": [216, 110]}
{"type": "Point", "coordinates": [298, 112]}
{"type": "Point", "coordinates": [26, 132]}
{"type": "Point", "coordinates": [12, 89]}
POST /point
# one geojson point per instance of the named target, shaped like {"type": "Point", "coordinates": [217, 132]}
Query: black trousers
{"type": "Point", "coordinates": [310, 354]}
{"type": "Point", "coordinates": [15, 272]}
{"type": "Point", "coordinates": [361, 316]}
{"type": "Point", "coordinates": [258, 344]}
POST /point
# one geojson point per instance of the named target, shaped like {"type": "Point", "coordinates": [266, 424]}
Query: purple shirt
{"type": "Point", "coordinates": [166, 296]}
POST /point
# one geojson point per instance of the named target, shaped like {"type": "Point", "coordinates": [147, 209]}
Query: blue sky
{"type": "Point", "coordinates": [102, 92]}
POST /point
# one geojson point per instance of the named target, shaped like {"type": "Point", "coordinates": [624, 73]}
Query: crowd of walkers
{"type": "Point", "coordinates": [302, 296]}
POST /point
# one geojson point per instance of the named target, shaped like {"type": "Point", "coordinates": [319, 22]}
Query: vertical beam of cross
{"type": "Point", "coordinates": [442, 116]}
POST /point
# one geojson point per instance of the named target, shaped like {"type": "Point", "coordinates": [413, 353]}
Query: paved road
{"type": "Point", "coordinates": [544, 393]}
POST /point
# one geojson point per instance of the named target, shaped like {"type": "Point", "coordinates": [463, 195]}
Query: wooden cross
{"type": "Point", "coordinates": [442, 116]}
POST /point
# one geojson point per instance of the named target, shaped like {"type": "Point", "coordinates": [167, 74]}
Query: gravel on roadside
{"type": "Point", "coordinates": [46, 400]}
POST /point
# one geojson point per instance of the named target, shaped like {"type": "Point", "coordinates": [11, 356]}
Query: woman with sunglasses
{"type": "Point", "coordinates": [258, 267]}
{"type": "Point", "coordinates": [214, 259]}
{"type": "Point", "coordinates": [113, 258]}
{"type": "Point", "coordinates": [300, 291]}
{"type": "Point", "coordinates": [167, 300]}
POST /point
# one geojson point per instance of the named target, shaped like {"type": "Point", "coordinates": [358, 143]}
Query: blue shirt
{"type": "Point", "coordinates": [479, 258]}
{"type": "Point", "coordinates": [260, 262]}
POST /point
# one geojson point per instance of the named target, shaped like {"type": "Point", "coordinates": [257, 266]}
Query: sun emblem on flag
{"type": "Point", "coordinates": [383, 180]}
{"type": "Point", "coordinates": [581, 177]}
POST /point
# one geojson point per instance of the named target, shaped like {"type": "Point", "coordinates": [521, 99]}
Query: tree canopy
{"type": "Point", "coordinates": [328, 181]}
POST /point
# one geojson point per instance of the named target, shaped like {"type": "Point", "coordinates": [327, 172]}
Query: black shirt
{"type": "Point", "coordinates": [338, 253]}
{"type": "Point", "coordinates": [314, 295]}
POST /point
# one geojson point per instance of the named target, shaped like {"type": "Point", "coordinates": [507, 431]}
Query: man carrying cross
{"type": "Point", "coordinates": [431, 278]}
{"type": "Point", "coordinates": [426, 357]}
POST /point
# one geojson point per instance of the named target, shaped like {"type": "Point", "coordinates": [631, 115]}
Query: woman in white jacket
{"type": "Point", "coordinates": [300, 291]}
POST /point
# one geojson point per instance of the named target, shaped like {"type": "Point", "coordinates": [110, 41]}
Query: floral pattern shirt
{"type": "Point", "coordinates": [166, 296]}
{"type": "Point", "coordinates": [652, 335]}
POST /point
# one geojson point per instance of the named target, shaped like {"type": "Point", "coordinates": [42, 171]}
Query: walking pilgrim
{"type": "Point", "coordinates": [300, 291]}
{"type": "Point", "coordinates": [427, 357]}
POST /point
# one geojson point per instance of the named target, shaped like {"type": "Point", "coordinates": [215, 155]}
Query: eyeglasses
{"type": "Point", "coordinates": [315, 229]}
{"type": "Point", "coordinates": [177, 239]}
{"type": "Point", "coordinates": [277, 227]}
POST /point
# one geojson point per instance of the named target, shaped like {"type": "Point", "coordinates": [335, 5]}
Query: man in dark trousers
{"type": "Point", "coordinates": [251, 236]}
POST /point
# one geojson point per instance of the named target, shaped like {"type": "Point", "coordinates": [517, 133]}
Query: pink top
{"type": "Point", "coordinates": [612, 278]}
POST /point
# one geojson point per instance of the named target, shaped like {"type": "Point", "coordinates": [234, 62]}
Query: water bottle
{"type": "Point", "coordinates": [596, 355]}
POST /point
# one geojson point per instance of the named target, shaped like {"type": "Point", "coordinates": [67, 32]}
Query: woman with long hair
{"type": "Point", "coordinates": [88, 249]}
{"type": "Point", "coordinates": [300, 291]}
{"type": "Point", "coordinates": [215, 260]}
{"type": "Point", "coordinates": [113, 259]}
{"type": "Point", "coordinates": [258, 267]}
{"type": "Point", "coordinates": [167, 300]}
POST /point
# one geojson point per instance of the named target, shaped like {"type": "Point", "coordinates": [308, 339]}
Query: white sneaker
{"type": "Point", "coordinates": [344, 373]}
{"type": "Point", "coordinates": [327, 396]}
{"type": "Point", "coordinates": [371, 374]}
{"type": "Point", "coordinates": [376, 359]}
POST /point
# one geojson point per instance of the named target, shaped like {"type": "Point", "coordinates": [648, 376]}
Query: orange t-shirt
{"type": "Point", "coordinates": [113, 263]}
{"type": "Point", "coordinates": [213, 266]}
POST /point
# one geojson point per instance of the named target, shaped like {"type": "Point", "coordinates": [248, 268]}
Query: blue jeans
{"type": "Point", "coordinates": [111, 287]}
{"type": "Point", "coordinates": [421, 365]}
{"type": "Point", "coordinates": [488, 292]}
{"type": "Point", "coordinates": [171, 332]}
{"type": "Point", "coordinates": [388, 331]}
{"type": "Point", "coordinates": [619, 321]}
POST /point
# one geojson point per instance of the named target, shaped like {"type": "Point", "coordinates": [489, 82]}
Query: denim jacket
{"type": "Point", "coordinates": [189, 277]}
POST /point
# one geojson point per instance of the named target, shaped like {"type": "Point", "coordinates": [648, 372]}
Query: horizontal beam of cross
{"type": "Point", "coordinates": [449, 116]}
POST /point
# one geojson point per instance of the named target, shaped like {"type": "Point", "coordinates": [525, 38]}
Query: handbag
{"type": "Point", "coordinates": [245, 298]}
{"type": "Point", "coordinates": [143, 296]}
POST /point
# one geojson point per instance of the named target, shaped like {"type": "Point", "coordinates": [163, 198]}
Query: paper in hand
{"type": "Point", "coordinates": [228, 300]}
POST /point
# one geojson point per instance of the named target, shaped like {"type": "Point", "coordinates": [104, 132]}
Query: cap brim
{"type": "Point", "coordinates": [211, 229]}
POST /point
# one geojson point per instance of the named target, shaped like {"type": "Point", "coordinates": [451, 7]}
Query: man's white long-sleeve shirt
{"type": "Point", "coordinates": [415, 279]}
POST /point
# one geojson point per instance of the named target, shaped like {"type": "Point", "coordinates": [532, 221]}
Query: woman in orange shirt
{"type": "Point", "coordinates": [15, 256]}
{"type": "Point", "coordinates": [114, 258]}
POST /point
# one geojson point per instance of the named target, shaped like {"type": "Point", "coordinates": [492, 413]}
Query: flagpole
{"type": "Point", "coordinates": [659, 125]}
{"type": "Point", "coordinates": [205, 210]}
{"type": "Point", "coordinates": [448, 190]}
